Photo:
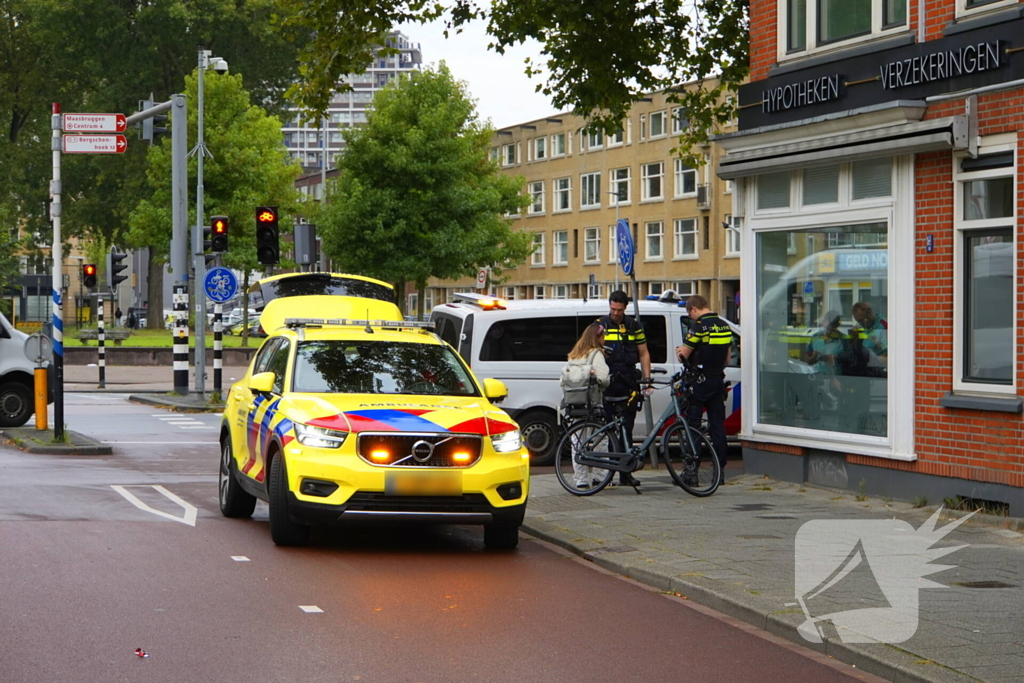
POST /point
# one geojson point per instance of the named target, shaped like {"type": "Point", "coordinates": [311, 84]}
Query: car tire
{"type": "Point", "coordinates": [283, 531]}
{"type": "Point", "coordinates": [540, 433]}
{"type": "Point", "coordinates": [16, 404]}
{"type": "Point", "coordinates": [501, 536]}
{"type": "Point", "coordinates": [234, 501]}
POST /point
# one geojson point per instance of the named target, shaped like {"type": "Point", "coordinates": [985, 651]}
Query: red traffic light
{"type": "Point", "coordinates": [89, 269]}
{"type": "Point", "coordinates": [220, 226]}
{"type": "Point", "coordinates": [266, 216]}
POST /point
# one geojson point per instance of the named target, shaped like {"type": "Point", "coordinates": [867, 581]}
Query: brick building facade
{"type": "Point", "coordinates": [879, 187]}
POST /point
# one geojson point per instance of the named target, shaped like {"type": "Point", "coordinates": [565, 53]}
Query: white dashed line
{"type": "Point", "coordinates": [310, 609]}
{"type": "Point", "coordinates": [240, 558]}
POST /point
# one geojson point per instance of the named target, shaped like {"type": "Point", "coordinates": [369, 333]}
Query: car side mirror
{"type": "Point", "coordinates": [495, 391]}
{"type": "Point", "coordinates": [262, 383]}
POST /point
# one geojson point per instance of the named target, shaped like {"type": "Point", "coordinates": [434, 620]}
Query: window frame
{"type": "Point", "coordinates": [508, 154]}
{"type": "Point", "coordinates": [613, 186]}
{"type": "Point", "coordinates": [613, 245]}
{"type": "Point", "coordinates": [660, 116]}
{"type": "Point", "coordinates": [962, 230]}
{"type": "Point", "coordinates": [646, 178]}
{"type": "Point", "coordinates": [540, 148]}
{"type": "Point", "coordinates": [557, 245]}
{"type": "Point", "coordinates": [619, 138]}
{"type": "Point", "coordinates": [967, 8]}
{"type": "Point", "coordinates": [589, 240]}
{"type": "Point", "coordinates": [593, 176]}
{"type": "Point", "coordinates": [536, 191]}
{"type": "Point", "coordinates": [677, 239]}
{"type": "Point", "coordinates": [812, 45]}
{"type": "Point", "coordinates": [660, 237]}
{"type": "Point", "coordinates": [538, 250]}
{"type": "Point", "coordinates": [594, 138]}
{"type": "Point", "coordinates": [679, 122]}
{"type": "Point", "coordinates": [680, 169]}
{"type": "Point", "coordinates": [555, 146]}
{"type": "Point", "coordinates": [565, 192]}
{"type": "Point", "coordinates": [733, 238]}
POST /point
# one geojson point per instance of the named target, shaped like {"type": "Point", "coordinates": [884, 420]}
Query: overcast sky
{"type": "Point", "coordinates": [503, 92]}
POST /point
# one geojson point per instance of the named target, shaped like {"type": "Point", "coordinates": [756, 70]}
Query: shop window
{"type": "Point", "coordinates": [871, 178]}
{"type": "Point", "coordinates": [537, 259]}
{"type": "Point", "coordinates": [988, 306]}
{"type": "Point", "coordinates": [773, 190]}
{"type": "Point", "coordinates": [563, 194]}
{"type": "Point", "coordinates": [823, 332]}
{"type": "Point", "coordinates": [592, 245]}
{"type": "Point", "coordinates": [685, 233]}
{"type": "Point", "coordinates": [620, 186]}
{"type": "Point", "coordinates": [821, 185]}
{"type": "Point", "coordinates": [561, 247]}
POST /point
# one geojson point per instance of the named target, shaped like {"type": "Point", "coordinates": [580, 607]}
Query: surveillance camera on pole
{"type": "Point", "coordinates": [219, 64]}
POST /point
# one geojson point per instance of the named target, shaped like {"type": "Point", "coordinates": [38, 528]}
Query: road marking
{"type": "Point", "coordinates": [310, 609]}
{"type": "Point", "coordinates": [164, 443]}
{"type": "Point", "coordinates": [240, 558]}
{"type": "Point", "coordinates": [190, 511]}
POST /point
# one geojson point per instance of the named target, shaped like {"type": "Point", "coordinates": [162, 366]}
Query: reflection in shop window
{"type": "Point", "coordinates": [988, 333]}
{"type": "Point", "coordinates": [823, 328]}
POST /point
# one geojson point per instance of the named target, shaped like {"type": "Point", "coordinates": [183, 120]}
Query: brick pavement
{"type": "Point", "coordinates": [734, 552]}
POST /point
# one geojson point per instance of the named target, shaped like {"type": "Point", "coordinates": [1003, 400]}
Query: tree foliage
{"type": "Point", "coordinates": [599, 57]}
{"type": "Point", "coordinates": [416, 195]}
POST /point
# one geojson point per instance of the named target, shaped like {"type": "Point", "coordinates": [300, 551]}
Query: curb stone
{"type": "Point", "coordinates": [895, 664]}
{"type": "Point", "coordinates": [25, 439]}
{"type": "Point", "coordinates": [182, 404]}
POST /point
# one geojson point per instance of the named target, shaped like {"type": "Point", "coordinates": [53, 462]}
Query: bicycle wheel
{"type": "Point", "coordinates": [583, 437]}
{"type": "Point", "coordinates": [698, 474]}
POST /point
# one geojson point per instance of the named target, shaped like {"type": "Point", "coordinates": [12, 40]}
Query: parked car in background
{"type": "Point", "coordinates": [17, 381]}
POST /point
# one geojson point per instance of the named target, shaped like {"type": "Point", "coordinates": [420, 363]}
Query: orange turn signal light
{"type": "Point", "coordinates": [461, 456]}
{"type": "Point", "coordinates": [380, 455]}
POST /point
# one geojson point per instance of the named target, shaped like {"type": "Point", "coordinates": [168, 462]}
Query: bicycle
{"type": "Point", "coordinates": [590, 452]}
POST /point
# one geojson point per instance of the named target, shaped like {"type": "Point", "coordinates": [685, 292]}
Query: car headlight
{"type": "Point", "coordinates": [507, 442]}
{"type": "Point", "coordinates": [318, 437]}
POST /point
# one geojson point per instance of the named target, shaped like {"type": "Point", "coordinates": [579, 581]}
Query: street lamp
{"type": "Point", "coordinates": [220, 65]}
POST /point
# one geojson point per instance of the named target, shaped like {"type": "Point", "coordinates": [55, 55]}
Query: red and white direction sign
{"type": "Point", "coordinates": [95, 123]}
{"type": "Point", "coordinates": [95, 144]}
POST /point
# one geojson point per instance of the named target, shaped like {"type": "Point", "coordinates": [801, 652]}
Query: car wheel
{"type": "Point", "coordinates": [283, 530]}
{"type": "Point", "coordinates": [540, 435]}
{"type": "Point", "coordinates": [234, 501]}
{"type": "Point", "coordinates": [501, 536]}
{"type": "Point", "coordinates": [16, 404]}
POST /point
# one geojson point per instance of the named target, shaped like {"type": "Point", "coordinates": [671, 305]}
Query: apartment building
{"type": "Point", "coordinates": [314, 143]}
{"type": "Point", "coordinates": [878, 188]}
{"type": "Point", "coordinates": [581, 182]}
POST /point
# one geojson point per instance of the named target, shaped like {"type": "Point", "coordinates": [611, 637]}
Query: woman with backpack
{"type": "Point", "coordinates": [584, 379]}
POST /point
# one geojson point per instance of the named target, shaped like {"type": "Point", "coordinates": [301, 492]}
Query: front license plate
{"type": "Point", "coordinates": [423, 483]}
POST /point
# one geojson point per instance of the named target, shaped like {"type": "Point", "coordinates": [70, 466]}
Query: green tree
{"type": "Point", "coordinates": [250, 167]}
{"type": "Point", "coordinates": [416, 195]}
{"type": "Point", "coordinates": [598, 57]}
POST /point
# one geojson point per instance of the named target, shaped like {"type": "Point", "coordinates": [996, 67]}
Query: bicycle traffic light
{"type": "Point", "coordinates": [219, 234]}
{"type": "Point", "coordinates": [89, 275]}
{"type": "Point", "coordinates": [114, 267]}
{"type": "Point", "coordinates": [268, 236]}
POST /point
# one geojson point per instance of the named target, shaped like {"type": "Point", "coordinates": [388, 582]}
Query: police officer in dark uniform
{"type": "Point", "coordinates": [626, 345]}
{"type": "Point", "coordinates": [707, 348]}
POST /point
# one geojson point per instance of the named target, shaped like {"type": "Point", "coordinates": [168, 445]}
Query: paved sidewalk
{"type": "Point", "coordinates": [735, 552]}
{"type": "Point", "coordinates": [137, 379]}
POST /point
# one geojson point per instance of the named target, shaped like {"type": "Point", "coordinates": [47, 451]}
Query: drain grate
{"type": "Point", "coordinates": [983, 584]}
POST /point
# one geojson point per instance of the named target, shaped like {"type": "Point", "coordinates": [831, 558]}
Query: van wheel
{"type": "Point", "coordinates": [540, 434]}
{"type": "Point", "coordinates": [16, 404]}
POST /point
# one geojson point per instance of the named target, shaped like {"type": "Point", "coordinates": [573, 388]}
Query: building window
{"type": "Point", "coordinates": [657, 120]}
{"type": "Point", "coordinates": [843, 296]}
{"type": "Point", "coordinates": [590, 190]}
{"type": "Point", "coordinates": [538, 291]}
{"type": "Point", "coordinates": [651, 177]}
{"type": "Point", "coordinates": [540, 148]}
{"type": "Point", "coordinates": [655, 235]}
{"type": "Point", "coordinates": [595, 138]}
{"type": "Point", "coordinates": [620, 186]}
{"type": "Point", "coordinates": [536, 197]}
{"type": "Point", "coordinates": [560, 292]}
{"type": "Point", "coordinates": [538, 249]}
{"type": "Point", "coordinates": [618, 137]}
{"type": "Point", "coordinates": [508, 154]}
{"type": "Point", "coordinates": [732, 237]}
{"type": "Point", "coordinates": [821, 185]}
{"type": "Point", "coordinates": [560, 256]}
{"type": "Point", "coordinates": [563, 194]}
{"type": "Point", "coordinates": [592, 245]}
{"type": "Point", "coordinates": [686, 179]}
{"type": "Point", "coordinates": [773, 190]}
{"type": "Point", "coordinates": [643, 126]}
{"type": "Point", "coordinates": [558, 145]}
{"type": "Point", "coordinates": [872, 178]}
{"type": "Point", "coordinates": [510, 293]}
{"type": "Point", "coordinates": [685, 233]}
{"type": "Point", "coordinates": [685, 288]}
{"type": "Point", "coordinates": [814, 24]}
{"type": "Point", "coordinates": [494, 154]}
{"type": "Point", "coordinates": [594, 291]}
{"type": "Point", "coordinates": [613, 245]}
{"type": "Point", "coordinates": [679, 121]}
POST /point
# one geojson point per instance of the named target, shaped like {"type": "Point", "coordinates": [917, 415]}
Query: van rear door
{"type": "Point", "coordinates": [456, 331]}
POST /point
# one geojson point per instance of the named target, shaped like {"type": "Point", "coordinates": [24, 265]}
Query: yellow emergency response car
{"type": "Point", "coordinates": [374, 418]}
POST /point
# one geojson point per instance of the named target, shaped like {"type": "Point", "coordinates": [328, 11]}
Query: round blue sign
{"type": "Point", "coordinates": [220, 284]}
{"type": "Point", "coordinates": [624, 239]}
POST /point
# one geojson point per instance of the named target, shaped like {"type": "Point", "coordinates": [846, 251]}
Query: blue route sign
{"type": "Point", "coordinates": [220, 284]}
{"type": "Point", "coordinates": [624, 239]}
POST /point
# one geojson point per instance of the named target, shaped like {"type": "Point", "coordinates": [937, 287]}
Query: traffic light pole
{"type": "Point", "coordinates": [101, 341]}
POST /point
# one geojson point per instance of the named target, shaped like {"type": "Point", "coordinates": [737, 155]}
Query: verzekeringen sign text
{"type": "Point", "coordinates": [939, 66]}
{"type": "Point", "coordinates": [801, 94]}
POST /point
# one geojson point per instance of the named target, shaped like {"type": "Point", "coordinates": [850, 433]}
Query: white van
{"type": "Point", "coordinates": [525, 344]}
{"type": "Point", "coordinates": [17, 381]}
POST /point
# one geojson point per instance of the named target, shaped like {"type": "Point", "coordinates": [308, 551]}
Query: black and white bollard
{"type": "Point", "coordinates": [218, 346]}
{"type": "Point", "coordinates": [180, 335]}
{"type": "Point", "coordinates": [101, 340]}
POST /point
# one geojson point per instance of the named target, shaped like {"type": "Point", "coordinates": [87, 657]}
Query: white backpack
{"type": "Point", "coordinates": [577, 381]}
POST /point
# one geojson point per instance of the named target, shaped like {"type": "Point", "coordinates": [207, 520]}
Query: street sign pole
{"type": "Point", "coordinates": [58, 281]}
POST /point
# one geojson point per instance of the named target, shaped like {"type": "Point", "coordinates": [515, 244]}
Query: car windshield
{"type": "Point", "coordinates": [312, 284]}
{"type": "Point", "coordinates": [379, 367]}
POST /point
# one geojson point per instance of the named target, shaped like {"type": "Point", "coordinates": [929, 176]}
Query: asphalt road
{"type": "Point", "coordinates": [103, 555]}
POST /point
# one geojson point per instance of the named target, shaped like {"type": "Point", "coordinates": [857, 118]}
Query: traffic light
{"type": "Point", "coordinates": [219, 234]}
{"type": "Point", "coordinates": [154, 125]}
{"type": "Point", "coordinates": [89, 275]}
{"type": "Point", "coordinates": [268, 243]}
{"type": "Point", "coordinates": [114, 266]}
